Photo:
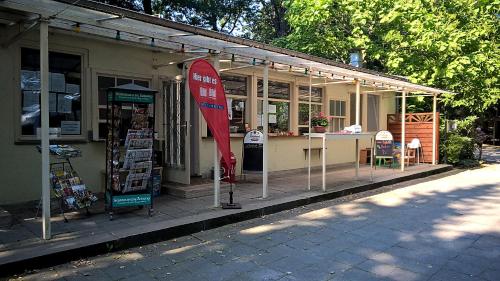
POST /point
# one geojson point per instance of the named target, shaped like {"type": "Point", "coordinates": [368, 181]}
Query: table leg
{"type": "Point", "coordinates": [323, 186]}
{"type": "Point", "coordinates": [357, 158]}
{"type": "Point", "coordinates": [371, 158]}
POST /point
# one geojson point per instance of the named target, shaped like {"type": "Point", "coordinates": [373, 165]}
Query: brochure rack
{"type": "Point", "coordinates": [67, 186]}
{"type": "Point", "coordinates": [129, 148]}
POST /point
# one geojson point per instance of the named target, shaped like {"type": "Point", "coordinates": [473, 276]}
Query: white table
{"type": "Point", "coordinates": [331, 136]}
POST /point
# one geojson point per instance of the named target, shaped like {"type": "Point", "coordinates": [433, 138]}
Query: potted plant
{"type": "Point", "coordinates": [319, 123]}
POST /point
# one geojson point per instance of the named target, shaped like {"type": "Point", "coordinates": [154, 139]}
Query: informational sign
{"type": "Point", "coordinates": [230, 108]}
{"type": "Point", "coordinates": [271, 108]}
{"type": "Point", "coordinates": [70, 127]}
{"type": "Point", "coordinates": [131, 200]}
{"type": "Point", "coordinates": [30, 99]}
{"type": "Point", "coordinates": [253, 144]}
{"type": "Point", "coordinates": [64, 103]}
{"type": "Point", "coordinates": [384, 144]}
{"type": "Point", "coordinates": [206, 88]}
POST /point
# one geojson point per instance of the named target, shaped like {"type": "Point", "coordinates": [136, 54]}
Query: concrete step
{"type": "Point", "coordinates": [193, 191]}
{"type": "Point", "coordinates": [5, 218]}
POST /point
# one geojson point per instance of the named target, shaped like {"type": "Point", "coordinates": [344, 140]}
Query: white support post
{"type": "Point", "coordinates": [44, 130]}
{"type": "Point", "coordinates": [434, 127]}
{"type": "Point", "coordinates": [265, 128]}
{"type": "Point", "coordinates": [358, 102]}
{"type": "Point", "coordinates": [216, 65]}
{"type": "Point", "coordinates": [309, 136]}
{"type": "Point", "coordinates": [358, 120]}
{"type": "Point", "coordinates": [403, 131]}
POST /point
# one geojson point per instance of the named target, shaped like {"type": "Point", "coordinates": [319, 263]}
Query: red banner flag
{"type": "Point", "coordinates": [206, 87]}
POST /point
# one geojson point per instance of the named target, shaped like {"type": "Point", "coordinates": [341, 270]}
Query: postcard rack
{"type": "Point", "coordinates": [129, 148]}
{"type": "Point", "coordinates": [67, 186]}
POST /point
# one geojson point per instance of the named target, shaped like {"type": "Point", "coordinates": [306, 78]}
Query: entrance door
{"type": "Point", "coordinates": [177, 140]}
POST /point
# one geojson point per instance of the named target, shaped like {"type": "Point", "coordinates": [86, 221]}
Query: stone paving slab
{"type": "Point", "coordinates": [96, 234]}
{"type": "Point", "coordinates": [448, 246]}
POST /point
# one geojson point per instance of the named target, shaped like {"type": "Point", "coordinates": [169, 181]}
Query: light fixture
{"type": "Point", "coordinates": [76, 27]}
{"type": "Point", "coordinates": [356, 56]}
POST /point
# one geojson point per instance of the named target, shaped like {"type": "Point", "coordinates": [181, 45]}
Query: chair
{"type": "Point", "coordinates": [414, 149]}
{"type": "Point", "coordinates": [410, 154]}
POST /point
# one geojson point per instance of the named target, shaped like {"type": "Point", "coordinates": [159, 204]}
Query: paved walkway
{"type": "Point", "coordinates": [444, 229]}
{"type": "Point", "coordinates": [25, 233]}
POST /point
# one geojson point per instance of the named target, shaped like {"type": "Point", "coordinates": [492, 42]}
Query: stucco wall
{"type": "Point", "coordinates": [20, 163]}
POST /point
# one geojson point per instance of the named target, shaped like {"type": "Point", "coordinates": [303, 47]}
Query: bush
{"type": "Point", "coordinates": [458, 149]}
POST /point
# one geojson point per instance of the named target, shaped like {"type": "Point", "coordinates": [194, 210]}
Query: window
{"type": "Point", "coordinates": [316, 106]}
{"type": "Point", "coordinates": [352, 111]}
{"type": "Point", "coordinates": [337, 113]}
{"type": "Point", "coordinates": [235, 88]}
{"type": "Point", "coordinates": [279, 106]}
{"type": "Point", "coordinates": [65, 106]}
{"type": "Point", "coordinates": [103, 83]}
{"type": "Point", "coordinates": [373, 113]}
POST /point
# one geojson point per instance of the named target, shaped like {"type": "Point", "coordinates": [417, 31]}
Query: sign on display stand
{"type": "Point", "coordinates": [207, 90]}
{"type": "Point", "coordinates": [384, 145]}
{"type": "Point", "coordinates": [253, 144]}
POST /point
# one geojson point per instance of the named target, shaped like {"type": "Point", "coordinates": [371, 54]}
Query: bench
{"type": "Point", "coordinates": [318, 149]}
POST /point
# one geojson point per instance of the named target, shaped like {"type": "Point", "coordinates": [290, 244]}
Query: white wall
{"type": "Point", "coordinates": [20, 169]}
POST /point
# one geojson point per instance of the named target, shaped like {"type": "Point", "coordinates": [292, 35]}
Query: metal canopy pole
{"type": "Point", "coordinates": [358, 102]}
{"type": "Point", "coordinates": [216, 152]}
{"type": "Point", "coordinates": [265, 127]}
{"type": "Point", "coordinates": [44, 130]}
{"type": "Point", "coordinates": [434, 127]}
{"type": "Point", "coordinates": [309, 135]}
{"type": "Point", "coordinates": [403, 131]}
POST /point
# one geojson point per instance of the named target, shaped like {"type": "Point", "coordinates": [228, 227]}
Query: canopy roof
{"type": "Point", "coordinates": [132, 88]}
{"type": "Point", "coordinates": [97, 19]}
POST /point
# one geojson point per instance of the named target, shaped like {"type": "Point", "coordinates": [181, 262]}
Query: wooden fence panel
{"type": "Point", "coordinates": [418, 125]}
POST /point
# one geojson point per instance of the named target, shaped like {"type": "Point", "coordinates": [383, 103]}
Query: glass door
{"type": "Point", "coordinates": [176, 129]}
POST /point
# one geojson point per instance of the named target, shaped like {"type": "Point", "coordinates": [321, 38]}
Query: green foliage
{"type": "Point", "coordinates": [445, 44]}
{"type": "Point", "coordinates": [458, 149]}
{"type": "Point", "coordinates": [319, 120]}
{"type": "Point", "coordinates": [268, 22]}
{"type": "Point", "coordinates": [458, 146]}
{"type": "Point", "coordinates": [224, 16]}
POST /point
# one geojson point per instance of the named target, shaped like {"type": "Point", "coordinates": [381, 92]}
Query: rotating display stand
{"type": "Point", "coordinates": [129, 147]}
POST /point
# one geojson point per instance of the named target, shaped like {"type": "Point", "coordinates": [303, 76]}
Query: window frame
{"type": "Point", "coordinates": [84, 93]}
{"type": "Point", "coordinates": [238, 97]}
{"type": "Point", "coordinates": [289, 101]}
{"type": "Point", "coordinates": [95, 94]}
{"type": "Point", "coordinates": [379, 106]}
{"type": "Point", "coordinates": [299, 102]}
{"type": "Point", "coordinates": [337, 117]}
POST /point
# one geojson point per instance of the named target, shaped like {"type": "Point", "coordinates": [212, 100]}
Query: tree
{"type": "Point", "coordinates": [218, 15]}
{"type": "Point", "coordinates": [134, 5]}
{"type": "Point", "coordinates": [446, 44]}
{"type": "Point", "coordinates": [268, 23]}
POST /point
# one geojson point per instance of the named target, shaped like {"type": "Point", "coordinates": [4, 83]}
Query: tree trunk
{"type": "Point", "coordinates": [148, 9]}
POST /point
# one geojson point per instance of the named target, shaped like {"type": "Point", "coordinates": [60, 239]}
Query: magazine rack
{"type": "Point", "coordinates": [129, 147]}
{"type": "Point", "coordinates": [67, 186]}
